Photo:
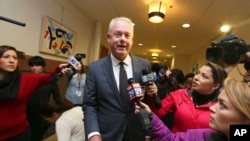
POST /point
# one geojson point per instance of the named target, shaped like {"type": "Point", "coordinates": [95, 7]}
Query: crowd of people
{"type": "Point", "coordinates": [232, 108]}
{"type": "Point", "coordinates": [199, 105]}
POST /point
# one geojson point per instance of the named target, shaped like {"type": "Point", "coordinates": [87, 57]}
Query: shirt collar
{"type": "Point", "coordinates": [116, 62]}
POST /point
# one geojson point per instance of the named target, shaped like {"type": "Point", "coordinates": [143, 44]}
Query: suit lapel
{"type": "Point", "coordinates": [136, 71]}
{"type": "Point", "coordinates": [109, 74]}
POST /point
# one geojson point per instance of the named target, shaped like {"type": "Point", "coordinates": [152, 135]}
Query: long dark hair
{"type": "Point", "coordinates": [4, 48]}
{"type": "Point", "coordinates": [51, 107]}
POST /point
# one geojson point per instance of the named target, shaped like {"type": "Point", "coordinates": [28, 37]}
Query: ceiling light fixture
{"type": "Point", "coordinates": [186, 25]}
{"type": "Point", "coordinates": [157, 11]}
{"type": "Point", "coordinates": [155, 54]}
{"type": "Point", "coordinates": [225, 28]}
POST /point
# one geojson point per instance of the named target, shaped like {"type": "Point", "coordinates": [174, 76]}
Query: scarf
{"type": "Point", "coordinates": [9, 86]}
{"type": "Point", "coordinates": [200, 99]}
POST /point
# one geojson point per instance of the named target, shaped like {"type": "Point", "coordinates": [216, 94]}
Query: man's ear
{"type": "Point", "coordinates": [108, 37]}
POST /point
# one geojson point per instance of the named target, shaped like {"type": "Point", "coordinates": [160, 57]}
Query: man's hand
{"type": "Point", "coordinates": [95, 138]}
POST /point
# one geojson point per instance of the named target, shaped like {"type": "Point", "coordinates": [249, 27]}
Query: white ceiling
{"type": "Point", "coordinates": [205, 17]}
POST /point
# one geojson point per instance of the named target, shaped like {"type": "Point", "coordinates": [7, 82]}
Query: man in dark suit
{"type": "Point", "coordinates": [108, 116]}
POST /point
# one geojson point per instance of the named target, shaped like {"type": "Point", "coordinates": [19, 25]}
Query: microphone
{"type": "Point", "coordinates": [148, 79]}
{"type": "Point", "coordinates": [72, 61]}
{"type": "Point", "coordinates": [135, 93]}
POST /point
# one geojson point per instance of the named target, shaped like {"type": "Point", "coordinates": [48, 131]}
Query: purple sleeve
{"type": "Point", "coordinates": [160, 132]}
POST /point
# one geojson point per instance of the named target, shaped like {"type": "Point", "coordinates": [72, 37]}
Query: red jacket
{"type": "Point", "coordinates": [186, 114]}
{"type": "Point", "coordinates": [13, 112]}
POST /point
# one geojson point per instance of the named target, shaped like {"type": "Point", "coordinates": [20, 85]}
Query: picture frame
{"type": "Point", "coordinates": [57, 39]}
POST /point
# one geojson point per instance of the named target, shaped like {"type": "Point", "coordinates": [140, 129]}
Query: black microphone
{"type": "Point", "coordinates": [135, 93]}
{"type": "Point", "coordinates": [148, 79]}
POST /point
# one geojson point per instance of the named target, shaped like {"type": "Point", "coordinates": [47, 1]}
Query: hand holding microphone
{"type": "Point", "coordinates": [142, 106]}
{"type": "Point", "coordinates": [151, 88]}
{"type": "Point", "coordinates": [135, 93]}
{"type": "Point", "coordinates": [65, 67]}
{"type": "Point", "coordinates": [72, 65]}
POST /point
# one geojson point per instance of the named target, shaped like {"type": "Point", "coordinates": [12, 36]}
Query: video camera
{"type": "Point", "coordinates": [228, 50]}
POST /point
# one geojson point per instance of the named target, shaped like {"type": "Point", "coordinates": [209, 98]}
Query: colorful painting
{"type": "Point", "coordinates": [57, 39]}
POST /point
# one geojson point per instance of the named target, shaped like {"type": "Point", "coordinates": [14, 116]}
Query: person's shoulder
{"type": "Point", "coordinates": [140, 59]}
{"type": "Point", "coordinates": [180, 92]}
{"type": "Point", "coordinates": [99, 61]}
{"type": "Point", "coordinates": [78, 108]}
{"type": "Point", "coordinates": [204, 132]}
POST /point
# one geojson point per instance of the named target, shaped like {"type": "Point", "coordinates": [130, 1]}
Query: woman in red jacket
{"type": "Point", "coordinates": [15, 90]}
{"type": "Point", "coordinates": [191, 106]}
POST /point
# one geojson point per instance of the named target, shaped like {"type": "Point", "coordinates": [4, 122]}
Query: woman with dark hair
{"type": "Point", "coordinates": [232, 108]}
{"type": "Point", "coordinates": [15, 90]}
{"type": "Point", "coordinates": [68, 121]}
{"type": "Point", "coordinates": [191, 105]}
{"type": "Point", "coordinates": [75, 89]}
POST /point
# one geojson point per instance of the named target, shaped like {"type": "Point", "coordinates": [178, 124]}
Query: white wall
{"type": "Point", "coordinates": [31, 12]}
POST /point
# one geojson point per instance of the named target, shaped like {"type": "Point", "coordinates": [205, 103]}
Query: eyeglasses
{"type": "Point", "coordinates": [120, 34]}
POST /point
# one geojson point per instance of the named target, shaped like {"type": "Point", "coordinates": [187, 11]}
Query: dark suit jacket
{"type": "Point", "coordinates": [103, 109]}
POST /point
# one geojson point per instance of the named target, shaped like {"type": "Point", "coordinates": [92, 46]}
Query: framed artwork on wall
{"type": "Point", "coordinates": [57, 39]}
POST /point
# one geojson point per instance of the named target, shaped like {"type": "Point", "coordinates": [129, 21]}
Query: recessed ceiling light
{"type": "Point", "coordinates": [225, 28]}
{"type": "Point", "coordinates": [186, 25]}
{"type": "Point", "coordinates": [140, 44]}
{"type": "Point", "coordinates": [173, 46]}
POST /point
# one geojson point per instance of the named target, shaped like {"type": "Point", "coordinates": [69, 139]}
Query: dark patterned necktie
{"type": "Point", "coordinates": [123, 85]}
